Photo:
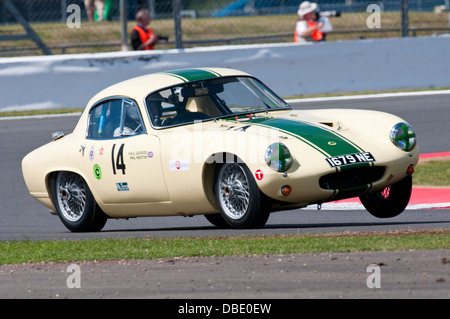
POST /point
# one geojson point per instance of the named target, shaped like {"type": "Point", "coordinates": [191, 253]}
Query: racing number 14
{"type": "Point", "coordinates": [118, 163]}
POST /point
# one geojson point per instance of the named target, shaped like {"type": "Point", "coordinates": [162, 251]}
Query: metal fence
{"type": "Point", "coordinates": [33, 27]}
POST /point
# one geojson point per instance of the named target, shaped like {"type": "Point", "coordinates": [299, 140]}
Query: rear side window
{"type": "Point", "coordinates": [114, 118]}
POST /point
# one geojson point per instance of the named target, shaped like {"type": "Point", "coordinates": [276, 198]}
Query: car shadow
{"type": "Point", "coordinates": [346, 225]}
{"type": "Point", "coordinates": [303, 226]}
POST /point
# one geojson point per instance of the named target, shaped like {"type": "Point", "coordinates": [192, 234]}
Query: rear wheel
{"type": "Point", "coordinates": [391, 201]}
{"type": "Point", "coordinates": [75, 203]}
{"type": "Point", "coordinates": [241, 203]}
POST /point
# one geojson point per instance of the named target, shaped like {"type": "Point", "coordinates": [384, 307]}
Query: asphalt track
{"type": "Point", "coordinates": [418, 274]}
{"type": "Point", "coordinates": [21, 217]}
{"type": "Point", "coordinates": [238, 279]}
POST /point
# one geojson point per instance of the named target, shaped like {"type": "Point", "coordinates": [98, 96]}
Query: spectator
{"type": "Point", "coordinates": [90, 9]}
{"type": "Point", "coordinates": [143, 38]}
{"type": "Point", "coordinates": [326, 25]}
{"type": "Point", "coordinates": [309, 27]}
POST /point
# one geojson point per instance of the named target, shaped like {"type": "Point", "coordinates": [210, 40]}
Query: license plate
{"type": "Point", "coordinates": [350, 159]}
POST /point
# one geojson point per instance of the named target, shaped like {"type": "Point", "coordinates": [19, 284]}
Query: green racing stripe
{"type": "Point", "coordinates": [325, 141]}
{"type": "Point", "coordinates": [188, 75]}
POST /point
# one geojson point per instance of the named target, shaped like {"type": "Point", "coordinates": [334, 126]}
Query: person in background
{"type": "Point", "coordinates": [308, 28]}
{"type": "Point", "coordinates": [143, 38]}
{"type": "Point", "coordinates": [90, 9]}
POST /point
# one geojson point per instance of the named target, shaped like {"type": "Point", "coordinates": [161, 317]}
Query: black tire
{"type": "Point", "coordinates": [391, 201]}
{"type": "Point", "coordinates": [75, 204]}
{"type": "Point", "coordinates": [241, 203]}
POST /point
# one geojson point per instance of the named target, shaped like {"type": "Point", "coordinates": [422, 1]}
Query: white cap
{"type": "Point", "coordinates": [306, 7]}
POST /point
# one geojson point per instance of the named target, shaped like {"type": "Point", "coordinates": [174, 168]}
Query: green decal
{"type": "Point", "coordinates": [97, 172]}
{"type": "Point", "coordinates": [188, 75]}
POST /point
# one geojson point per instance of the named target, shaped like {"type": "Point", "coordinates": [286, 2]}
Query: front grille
{"type": "Point", "coordinates": [352, 178]}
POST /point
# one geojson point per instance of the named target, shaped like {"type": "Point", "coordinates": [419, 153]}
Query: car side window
{"type": "Point", "coordinates": [162, 105]}
{"type": "Point", "coordinates": [114, 118]}
{"type": "Point", "coordinates": [132, 123]}
{"type": "Point", "coordinates": [181, 105]}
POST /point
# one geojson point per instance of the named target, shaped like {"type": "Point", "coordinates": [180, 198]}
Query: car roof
{"type": "Point", "coordinates": [138, 88]}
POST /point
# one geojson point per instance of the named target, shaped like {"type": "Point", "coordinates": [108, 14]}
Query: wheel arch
{"type": "Point", "coordinates": [87, 215]}
{"type": "Point", "coordinates": [49, 176]}
{"type": "Point", "coordinates": [210, 169]}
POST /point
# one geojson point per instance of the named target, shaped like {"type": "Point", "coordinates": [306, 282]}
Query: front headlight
{"type": "Point", "coordinates": [403, 136]}
{"type": "Point", "coordinates": [278, 157]}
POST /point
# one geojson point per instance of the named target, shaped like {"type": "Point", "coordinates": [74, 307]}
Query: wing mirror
{"type": "Point", "coordinates": [57, 135]}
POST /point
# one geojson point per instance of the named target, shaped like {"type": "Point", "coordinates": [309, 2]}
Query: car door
{"type": "Point", "coordinates": [124, 160]}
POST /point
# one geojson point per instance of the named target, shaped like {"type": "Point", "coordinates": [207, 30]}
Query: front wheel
{"type": "Point", "coordinates": [75, 203]}
{"type": "Point", "coordinates": [217, 220]}
{"type": "Point", "coordinates": [391, 201]}
{"type": "Point", "coordinates": [241, 203]}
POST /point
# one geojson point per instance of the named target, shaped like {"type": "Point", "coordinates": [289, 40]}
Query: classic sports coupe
{"type": "Point", "coordinates": [220, 143]}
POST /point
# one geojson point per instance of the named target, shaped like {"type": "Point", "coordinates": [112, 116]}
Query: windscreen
{"type": "Point", "coordinates": [209, 99]}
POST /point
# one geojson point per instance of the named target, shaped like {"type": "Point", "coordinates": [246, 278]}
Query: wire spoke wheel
{"type": "Point", "coordinates": [234, 192]}
{"type": "Point", "coordinates": [71, 196]}
{"type": "Point", "coordinates": [241, 203]}
{"type": "Point", "coordinates": [75, 203]}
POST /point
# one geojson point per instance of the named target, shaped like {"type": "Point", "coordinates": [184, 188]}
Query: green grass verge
{"type": "Point", "coordinates": [16, 252]}
{"type": "Point", "coordinates": [432, 173]}
{"type": "Point", "coordinates": [61, 110]}
{"type": "Point", "coordinates": [304, 96]}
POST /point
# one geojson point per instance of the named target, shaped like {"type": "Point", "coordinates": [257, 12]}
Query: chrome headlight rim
{"type": "Point", "coordinates": [403, 136]}
{"type": "Point", "coordinates": [278, 157]}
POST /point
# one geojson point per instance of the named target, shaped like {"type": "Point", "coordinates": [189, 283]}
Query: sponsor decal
{"type": "Point", "coordinates": [140, 155]}
{"type": "Point", "coordinates": [179, 165]}
{"type": "Point", "coordinates": [389, 178]}
{"type": "Point", "coordinates": [97, 172]}
{"type": "Point", "coordinates": [122, 187]}
{"type": "Point", "coordinates": [259, 174]}
{"type": "Point", "coordinates": [91, 153]}
{"type": "Point", "coordinates": [350, 159]}
{"type": "Point", "coordinates": [101, 150]}
{"type": "Point", "coordinates": [82, 148]}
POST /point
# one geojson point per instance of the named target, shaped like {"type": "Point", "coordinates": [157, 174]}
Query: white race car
{"type": "Point", "coordinates": [217, 142]}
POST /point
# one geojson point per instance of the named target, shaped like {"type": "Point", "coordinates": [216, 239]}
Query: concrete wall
{"type": "Point", "coordinates": [71, 80]}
